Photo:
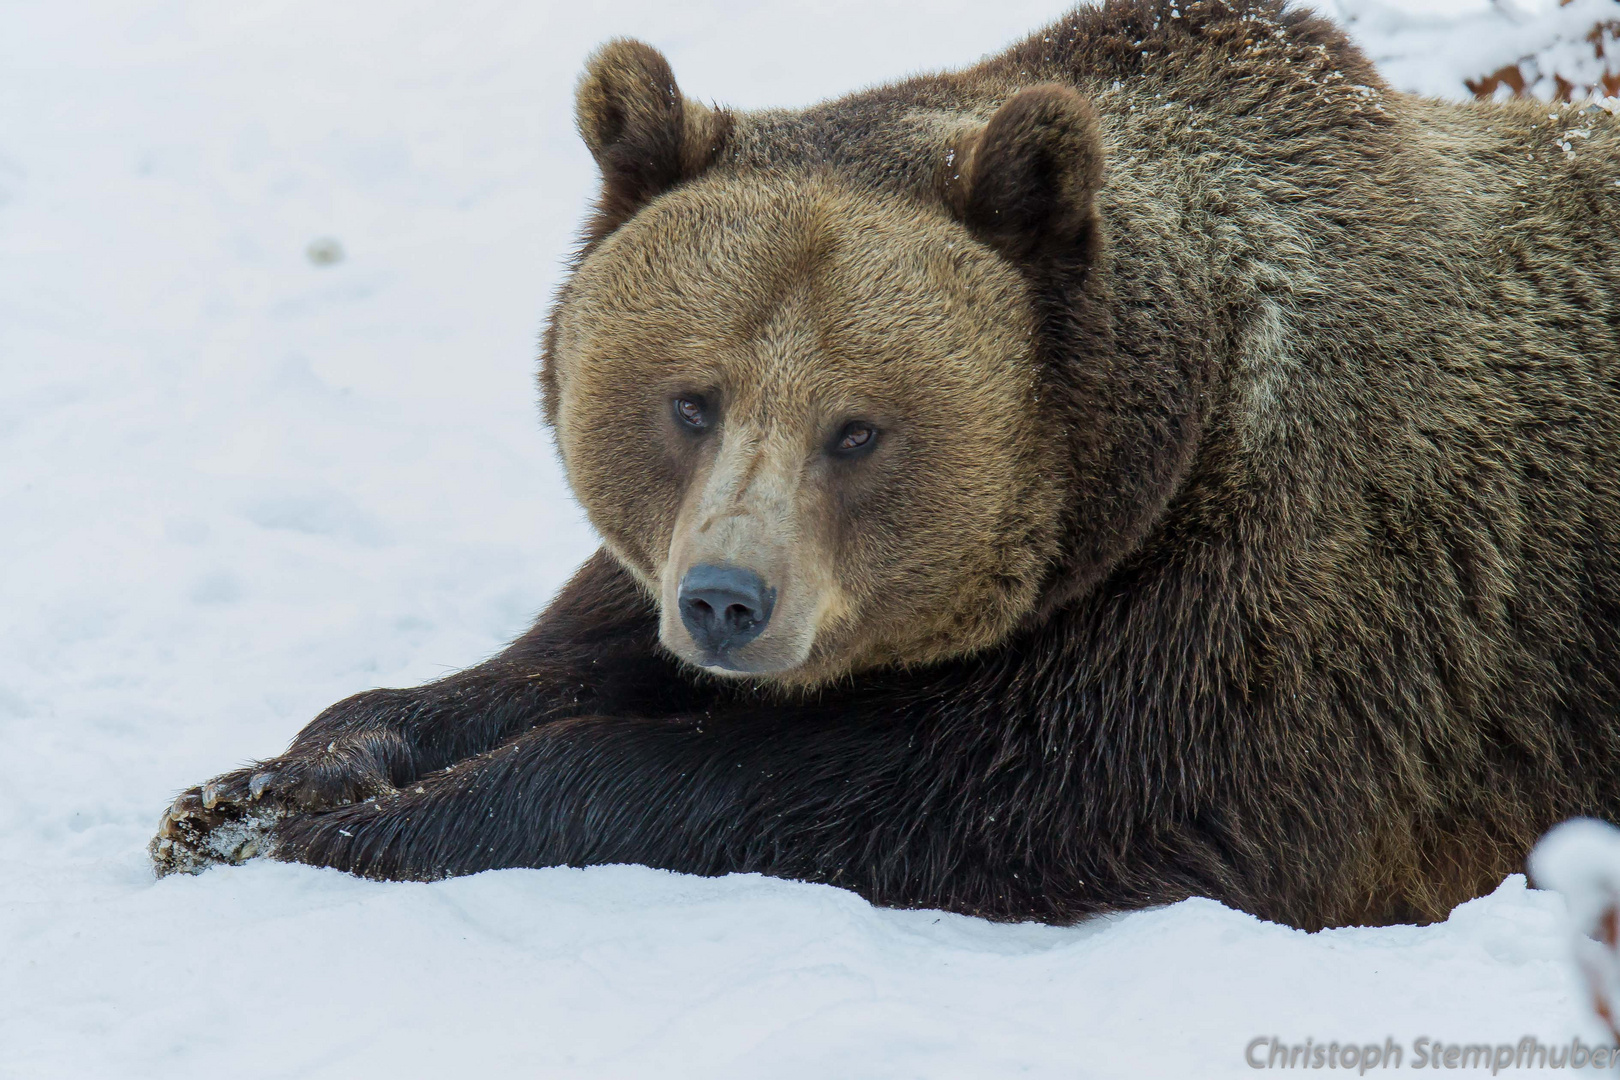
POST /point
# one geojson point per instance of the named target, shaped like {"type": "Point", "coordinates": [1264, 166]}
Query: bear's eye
{"type": "Point", "coordinates": [855, 437]}
{"type": "Point", "coordinates": [691, 413]}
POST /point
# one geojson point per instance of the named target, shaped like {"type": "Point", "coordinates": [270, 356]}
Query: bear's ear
{"type": "Point", "coordinates": [645, 137]}
{"type": "Point", "coordinates": [1025, 181]}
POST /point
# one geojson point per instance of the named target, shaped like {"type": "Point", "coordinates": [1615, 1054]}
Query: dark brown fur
{"type": "Point", "coordinates": [1328, 628]}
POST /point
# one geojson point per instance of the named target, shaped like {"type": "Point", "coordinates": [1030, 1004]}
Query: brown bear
{"type": "Point", "coordinates": [1158, 461]}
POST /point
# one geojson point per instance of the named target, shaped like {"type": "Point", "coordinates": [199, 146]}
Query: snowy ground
{"type": "Point", "coordinates": [235, 486]}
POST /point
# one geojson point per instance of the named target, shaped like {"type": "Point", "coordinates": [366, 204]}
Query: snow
{"type": "Point", "coordinates": [271, 274]}
{"type": "Point", "coordinates": [1432, 48]}
{"type": "Point", "coordinates": [1581, 859]}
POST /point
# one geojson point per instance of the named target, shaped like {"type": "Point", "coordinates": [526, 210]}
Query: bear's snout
{"type": "Point", "coordinates": [724, 607]}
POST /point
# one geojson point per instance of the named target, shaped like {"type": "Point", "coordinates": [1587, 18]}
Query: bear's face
{"type": "Point", "coordinates": [807, 419]}
{"type": "Point", "coordinates": [806, 408]}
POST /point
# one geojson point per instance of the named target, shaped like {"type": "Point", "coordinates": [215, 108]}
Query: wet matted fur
{"type": "Point", "coordinates": [1243, 520]}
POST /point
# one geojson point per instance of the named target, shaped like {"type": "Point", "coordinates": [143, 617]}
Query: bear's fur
{"type": "Point", "coordinates": [1241, 520]}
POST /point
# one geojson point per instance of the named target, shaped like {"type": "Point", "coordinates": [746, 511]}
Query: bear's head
{"type": "Point", "coordinates": [805, 409]}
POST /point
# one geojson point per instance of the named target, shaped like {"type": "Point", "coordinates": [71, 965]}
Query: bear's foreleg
{"type": "Point", "coordinates": [852, 802]}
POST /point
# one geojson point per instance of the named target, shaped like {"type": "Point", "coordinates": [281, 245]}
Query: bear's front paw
{"type": "Point", "coordinates": [231, 818]}
{"type": "Point", "coordinates": [192, 837]}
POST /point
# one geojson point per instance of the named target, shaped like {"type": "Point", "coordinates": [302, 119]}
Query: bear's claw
{"type": "Point", "coordinates": [230, 818]}
{"type": "Point", "coordinates": [212, 824]}
{"type": "Point", "coordinates": [188, 841]}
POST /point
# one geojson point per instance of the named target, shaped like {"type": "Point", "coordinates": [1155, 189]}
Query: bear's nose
{"type": "Point", "coordinates": [724, 607]}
